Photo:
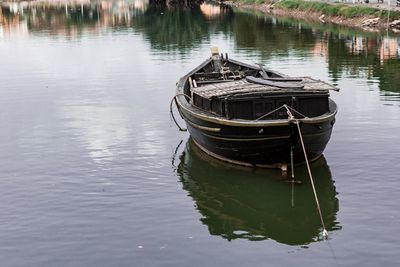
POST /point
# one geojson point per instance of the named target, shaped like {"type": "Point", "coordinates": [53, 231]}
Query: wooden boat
{"type": "Point", "coordinates": [248, 115]}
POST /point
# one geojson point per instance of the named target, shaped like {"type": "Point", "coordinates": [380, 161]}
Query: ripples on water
{"type": "Point", "coordinates": [90, 167]}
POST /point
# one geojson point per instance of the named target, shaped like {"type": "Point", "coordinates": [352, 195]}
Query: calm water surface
{"type": "Point", "coordinates": [94, 173]}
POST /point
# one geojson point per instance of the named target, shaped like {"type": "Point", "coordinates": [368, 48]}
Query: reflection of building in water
{"type": "Point", "coordinates": [1, 25]}
{"type": "Point", "coordinates": [357, 44]}
{"type": "Point", "coordinates": [389, 48]}
{"type": "Point", "coordinates": [12, 25]}
{"type": "Point", "coordinates": [66, 17]}
{"type": "Point", "coordinates": [398, 47]}
{"type": "Point", "coordinates": [320, 48]}
{"type": "Point", "coordinates": [209, 10]}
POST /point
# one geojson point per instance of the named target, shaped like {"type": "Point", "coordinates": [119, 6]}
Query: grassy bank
{"type": "Point", "coordinates": [337, 9]}
{"type": "Point", "coordinates": [329, 9]}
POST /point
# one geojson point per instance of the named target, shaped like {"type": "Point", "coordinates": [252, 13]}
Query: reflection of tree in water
{"type": "Point", "coordinates": [270, 36]}
{"type": "Point", "coordinates": [363, 56]}
{"type": "Point", "coordinates": [171, 29]}
{"type": "Point", "coordinates": [179, 28]}
{"type": "Point", "coordinates": [348, 53]}
{"type": "Point", "coordinates": [256, 204]}
{"type": "Point", "coordinates": [68, 20]}
{"type": "Point", "coordinates": [55, 18]}
{"type": "Point", "coordinates": [351, 56]}
{"type": "Point", "coordinates": [389, 75]}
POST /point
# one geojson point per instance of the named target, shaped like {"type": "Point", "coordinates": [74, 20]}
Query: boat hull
{"type": "Point", "coordinates": [261, 144]}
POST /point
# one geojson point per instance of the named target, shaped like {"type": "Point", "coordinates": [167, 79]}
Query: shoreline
{"type": "Point", "coordinates": [371, 23]}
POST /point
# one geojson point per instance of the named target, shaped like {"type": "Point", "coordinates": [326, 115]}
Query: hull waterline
{"type": "Point", "coordinates": [261, 144]}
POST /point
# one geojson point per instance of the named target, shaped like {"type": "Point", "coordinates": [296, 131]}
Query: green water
{"type": "Point", "coordinates": [93, 171]}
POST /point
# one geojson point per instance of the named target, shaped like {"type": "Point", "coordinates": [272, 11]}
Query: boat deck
{"type": "Point", "coordinates": [220, 89]}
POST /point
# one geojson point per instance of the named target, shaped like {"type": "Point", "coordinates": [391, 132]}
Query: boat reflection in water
{"type": "Point", "coordinates": [257, 204]}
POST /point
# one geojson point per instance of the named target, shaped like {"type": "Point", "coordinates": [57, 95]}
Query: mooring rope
{"type": "Point", "coordinates": [172, 113]}
{"type": "Point", "coordinates": [175, 153]}
{"type": "Point", "coordinates": [324, 232]}
{"type": "Point", "coordinates": [292, 109]}
{"type": "Point", "coordinates": [281, 107]}
{"type": "Point", "coordinates": [296, 121]}
{"type": "Point", "coordinates": [388, 16]}
{"type": "Point", "coordinates": [269, 113]}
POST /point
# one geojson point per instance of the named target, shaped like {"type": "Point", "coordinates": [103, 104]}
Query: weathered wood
{"type": "Point", "coordinates": [280, 84]}
{"type": "Point", "coordinates": [209, 91]}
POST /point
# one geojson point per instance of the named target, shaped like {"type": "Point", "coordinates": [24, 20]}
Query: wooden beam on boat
{"type": "Point", "coordinates": [221, 89]}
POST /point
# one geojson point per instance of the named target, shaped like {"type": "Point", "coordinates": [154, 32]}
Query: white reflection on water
{"type": "Point", "coordinates": [150, 144]}
{"type": "Point", "coordinates": [100, 128]}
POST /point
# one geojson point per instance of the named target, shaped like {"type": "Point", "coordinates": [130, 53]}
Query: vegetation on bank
{"type": "Point", "coordinates": [251, 2]}
{"type": "Point", "coordinates": [329, 9]}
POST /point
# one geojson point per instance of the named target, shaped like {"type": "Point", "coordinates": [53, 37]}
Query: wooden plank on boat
{"type": "Point", "coordinates": [243, 87]}
{"type": "Point", "coordinates": [313, 84]}
{"type": "Point", "coordinates": [286, 84]}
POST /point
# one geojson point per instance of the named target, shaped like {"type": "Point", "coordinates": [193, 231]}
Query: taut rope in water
{"type": "Point", "coordinates": [296, 121]}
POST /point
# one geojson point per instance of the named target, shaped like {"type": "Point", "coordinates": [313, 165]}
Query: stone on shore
{"type": "Point", "coordinates": [370, 23]}
{"type": "Point", "coordinates": [395, 24]}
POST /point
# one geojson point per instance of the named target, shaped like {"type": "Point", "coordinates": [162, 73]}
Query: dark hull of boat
{"type": "Point", "coordinates": [265, 144]}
